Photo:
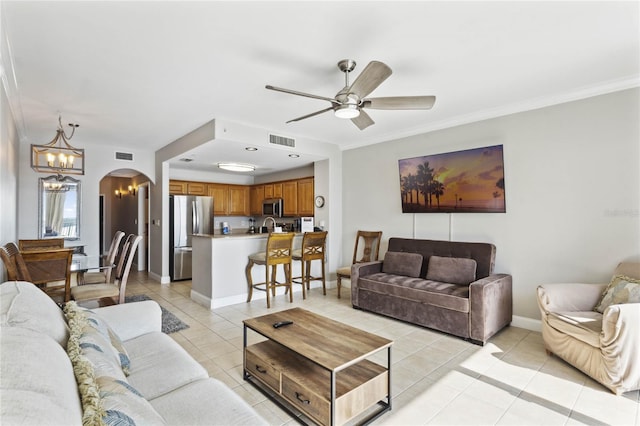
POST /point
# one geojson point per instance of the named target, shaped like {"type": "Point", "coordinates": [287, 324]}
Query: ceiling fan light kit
{"type": "Point", "coordinates": [350, 102]}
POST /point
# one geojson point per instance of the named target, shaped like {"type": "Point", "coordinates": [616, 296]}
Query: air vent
{"type": "Point", "coordinates": [281, 140]}
{"type": "Point", "coordinates": [186, 160]}
{"type": "Point", "coordinates": [124, 156]}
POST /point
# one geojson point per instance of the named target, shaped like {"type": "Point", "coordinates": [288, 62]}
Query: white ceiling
{"type": "Point", "coordinates": [142, 74]}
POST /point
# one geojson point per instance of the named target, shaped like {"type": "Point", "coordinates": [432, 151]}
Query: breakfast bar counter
{"type": "Point", "coordinates": [219, 268]}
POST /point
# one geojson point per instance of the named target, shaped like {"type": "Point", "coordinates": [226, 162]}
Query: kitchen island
{"type": "Point", "coordinates": [219, 263]}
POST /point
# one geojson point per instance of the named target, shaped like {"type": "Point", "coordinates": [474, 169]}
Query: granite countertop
{"type": "Point", "coordinates": [237, 235]}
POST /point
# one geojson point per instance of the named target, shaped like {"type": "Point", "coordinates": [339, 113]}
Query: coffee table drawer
{"type": "Point", "coordinates": [312, 404]}
{"type": "Point", "coordinates": [262, 370]}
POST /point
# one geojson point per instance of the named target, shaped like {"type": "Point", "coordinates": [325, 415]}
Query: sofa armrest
{"type": "Point", "coordinates": [620, 344]}
{"type": "Point", "coordinates": [130, 320]}
{"type": "Point", "coordinates": [491, 306]}
{"type": "Point", "coordinates": [568, 297]}
{"type": "Point", "coordinates": [360, 270]}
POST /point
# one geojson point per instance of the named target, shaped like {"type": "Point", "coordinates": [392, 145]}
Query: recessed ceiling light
{"type": "Point", "coordinates": [237, 167]}
{"type": "Point", "coordinates": [251, 148]}
{"type": "Point", "coordinates": [294, 155]}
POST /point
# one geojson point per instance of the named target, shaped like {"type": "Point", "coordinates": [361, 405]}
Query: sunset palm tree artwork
{"type": "Point", "coordinates": [469, 181]}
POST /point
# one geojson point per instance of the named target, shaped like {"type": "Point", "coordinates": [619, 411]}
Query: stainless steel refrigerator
{"type": "Point", "coordinates": [188, 215]}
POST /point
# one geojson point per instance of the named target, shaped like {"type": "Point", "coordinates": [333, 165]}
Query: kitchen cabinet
{"type": "Point", "coordinates": [290, 198]}
{"type": "Point", "coordinates": [220, 194]}
{"type": "Point", "coordinates": [177, 187]}
{"type": "Point", "coordinates": [273, 190]}
{"type": "Point", "coordinates": [197, 188]}
{"type": "Point", "coordinates": [305, 197]}
{"type": "Point", "coordinates": [256, 195]}
{"type": "Point", "coordinates": [238, 200]}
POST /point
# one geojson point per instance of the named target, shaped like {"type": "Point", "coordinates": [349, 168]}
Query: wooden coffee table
{"type": "Point", "coordinates": [319, 366]}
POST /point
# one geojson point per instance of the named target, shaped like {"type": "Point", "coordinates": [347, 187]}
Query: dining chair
{"type": "Point", "coordinates": [41, 244]}
{"type": "Point", "coordinates": [105, 274]}
{"type": "Point", "coordinates": [14, 263]}
{"type": "Point", "coordinates": [370, 250]}
{"type": "Point", "coordinates": [50, 269]}
{"type": "Point", "coordinates": [111, 293]}
{"type": "Point", "coordinates": [278, 253]}
{"type": "Point", "coordinates": [313, 248]}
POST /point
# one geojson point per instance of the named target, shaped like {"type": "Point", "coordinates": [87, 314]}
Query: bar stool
{"type": "Point", "coordinates": [278, 253]}
{"type": "Point", "coordinates": [313, 248]}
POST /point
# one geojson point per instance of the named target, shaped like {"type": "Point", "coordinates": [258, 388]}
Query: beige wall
{"type": "Point", "coordinates": [572, 192]}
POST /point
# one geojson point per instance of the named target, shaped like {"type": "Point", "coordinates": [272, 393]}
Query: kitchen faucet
{"type": "Point", "coordinates": [264, 223]}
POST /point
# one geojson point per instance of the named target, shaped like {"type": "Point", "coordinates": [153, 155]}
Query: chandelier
{"type": "Point", "coordinates": [58, 156]}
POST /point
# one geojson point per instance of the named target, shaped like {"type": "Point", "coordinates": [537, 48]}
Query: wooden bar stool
{"type": "Point", "coordinates": [313, 248]}
{"type": "Point", "coordinates": [278, 253]}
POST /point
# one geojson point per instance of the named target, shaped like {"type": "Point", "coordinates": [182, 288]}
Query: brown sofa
{"type": "Point", "coordinates": [444, 285]}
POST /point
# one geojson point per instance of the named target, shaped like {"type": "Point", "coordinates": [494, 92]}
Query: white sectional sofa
{"type": "Point", "coordinates": [41, 349]}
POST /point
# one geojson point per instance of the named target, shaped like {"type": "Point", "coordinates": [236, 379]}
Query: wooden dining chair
{"type": "Point", "coordinates": [14, 263]}
{"type": "Point", "coordinates": [111, 293]}
{"type": "Point", "coordinates": [41, 244]}
{"type": "Point", "coordinates": [105, 275]}
{"type": "Point", "coordinates": [50, 270]}
{"type": "Point", "coordinates": [370, 251]}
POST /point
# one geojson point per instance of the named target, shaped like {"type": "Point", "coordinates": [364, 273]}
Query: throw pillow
{"type": "Point", "coordinates": [402, 263]}
{"type": "Point", "coordinates": [107, 397]}
{"type": "Point", "coordinates": [96, 331]}
{"type": "Point", "coordinates": [621, 289]}
{"type": "Point", "coordinates": [452, 270]}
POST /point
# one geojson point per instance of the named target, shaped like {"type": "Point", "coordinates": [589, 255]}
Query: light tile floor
{"type": "Point", "coordinates": [436, 378]}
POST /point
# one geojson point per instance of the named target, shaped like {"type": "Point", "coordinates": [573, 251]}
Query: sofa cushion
{"type": "Point", "coordinates": [621, 289]}
{"type": "Point", "coordinates": [584, 326]}
{"type": "Point", "coordinates": [26, 306]}
{"type": "Point", "coordinates": [97, 323]}
{"type": "Point", "coordinates": [445, 295]}
{"type": "Point", "coordinates": [26, 357]}
{"type": "Point", "coordinates": [454, 270]}
{"type": "Point", "coordinates": [402, 263]}
{"type": "Point", "coordinates": [184, 406]}
{"type": "Point", "coordinates": [160, 365]}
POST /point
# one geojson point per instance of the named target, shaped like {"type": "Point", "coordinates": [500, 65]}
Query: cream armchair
{"type": "Point", "coordinates": [604, 346]}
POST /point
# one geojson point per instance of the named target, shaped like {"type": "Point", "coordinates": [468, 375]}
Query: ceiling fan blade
{"type": "Point", "coordinates": [371, 77]}
{"type": "Point", "coordinates": [307, 95]}
{"type": "Point", "coordinates": [400, 102]}
{"type": "Point", "coordinates": [310, 115]}
{"type": "Point", "coordinates": [363, 120]}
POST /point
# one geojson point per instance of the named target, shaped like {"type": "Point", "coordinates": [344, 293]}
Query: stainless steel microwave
{"type": "Point", "coordinates": [272, 207]}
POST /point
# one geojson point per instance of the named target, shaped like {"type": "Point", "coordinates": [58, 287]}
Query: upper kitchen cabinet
{"type": "Point", "coordinates": [197, 188]}
{"type": "Point", "coordinates": [305, 197]}
{"type": "Point", "coordinates": [290, 198]}
{"type": "Point", "coordinates": [256, 195]}
{"type": "Point", "coordinates": [220, 194]}
{"type": "Point", "coordinates": [273, 190]}
{"type": "Point", "coordinates": [177, 187]}
{"type": "Point", "coordinates": [238, 200]}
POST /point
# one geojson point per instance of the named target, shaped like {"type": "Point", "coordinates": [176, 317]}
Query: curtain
{"type": "Point", "coordinates": [54, 212]}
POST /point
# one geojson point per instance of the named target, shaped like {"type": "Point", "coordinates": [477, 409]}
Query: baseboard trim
{"type": "Point", "coordinates": [526, 323]}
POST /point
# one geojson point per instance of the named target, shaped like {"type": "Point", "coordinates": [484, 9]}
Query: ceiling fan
{"type": "Point", "coordinates": [351, 101]}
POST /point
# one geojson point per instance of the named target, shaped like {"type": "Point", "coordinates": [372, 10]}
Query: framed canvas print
{"type": "Point", "coordinates": [469, 181]}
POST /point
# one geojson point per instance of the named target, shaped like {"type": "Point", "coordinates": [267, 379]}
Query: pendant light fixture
{"type": "Point", "coordinates": [58, 156]}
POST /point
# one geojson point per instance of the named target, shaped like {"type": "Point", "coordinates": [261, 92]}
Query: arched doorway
{"type": "Point", "coordinates": [124, 206]}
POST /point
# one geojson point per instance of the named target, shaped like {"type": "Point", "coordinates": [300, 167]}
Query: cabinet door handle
{"type": "Point", "coordinates": [260, 369]}
{"type": "Point", "coordinates": [300, 398]}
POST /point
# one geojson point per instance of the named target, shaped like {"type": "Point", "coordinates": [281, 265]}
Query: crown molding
{"type": "Point", "coordinates": [604, 88]}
